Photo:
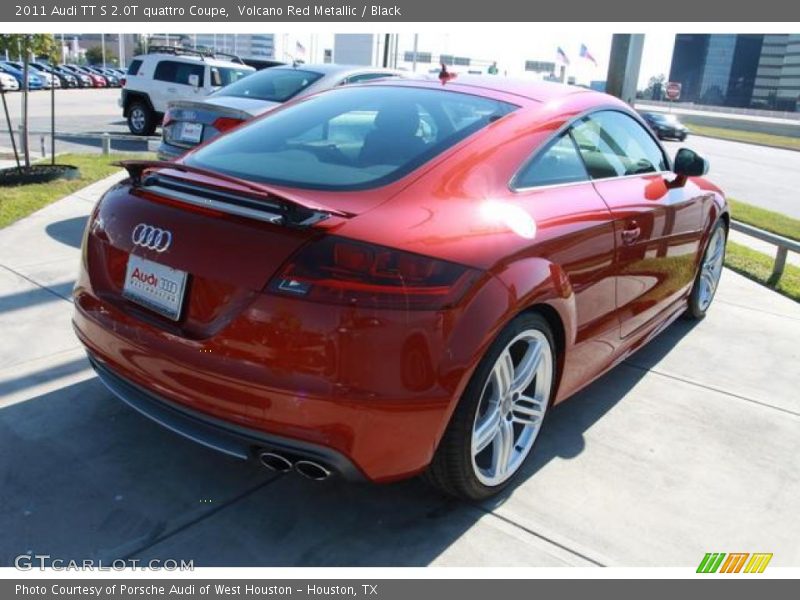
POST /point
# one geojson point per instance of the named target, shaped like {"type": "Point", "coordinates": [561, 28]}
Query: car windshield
{"type": "Point", "coordinates": [273, 85]}
{"type": "Point", "coordinates": [349, 138]}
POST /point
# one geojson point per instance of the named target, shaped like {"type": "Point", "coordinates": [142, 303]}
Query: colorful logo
{"type": "Point", "coordinates": [735, 562]}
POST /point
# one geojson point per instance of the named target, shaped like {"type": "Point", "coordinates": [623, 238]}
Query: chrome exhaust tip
{"type": "Point", "coordinates": [275, 462]}
{"type": "Point", "coordinates": [312, 470]}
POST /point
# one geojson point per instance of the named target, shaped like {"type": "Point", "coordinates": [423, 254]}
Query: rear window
{"type": "Point", "coordinates": [274, 85]}
{"type": "Point", "coordinates": [133, 69]}
{"type": "Point", "coordinates": [178, 72]}
{"type": "Point", "coordinates": [349, 138]}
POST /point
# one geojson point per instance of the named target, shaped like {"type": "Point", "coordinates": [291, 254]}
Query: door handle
{"type": "Point", "coordinates": [631, 233]}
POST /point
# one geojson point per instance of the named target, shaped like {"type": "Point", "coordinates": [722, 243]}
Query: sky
{"type": "Point", "coordinates": [511, 51]}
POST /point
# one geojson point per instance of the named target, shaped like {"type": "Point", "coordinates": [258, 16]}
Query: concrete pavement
{"type": "Point", "coordinates": [692, 445]}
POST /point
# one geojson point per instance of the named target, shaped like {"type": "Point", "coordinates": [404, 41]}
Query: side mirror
{"type": "Point", "coordinates": [194, 81]}
{"type": "Point", "coordinates": [690, 164]}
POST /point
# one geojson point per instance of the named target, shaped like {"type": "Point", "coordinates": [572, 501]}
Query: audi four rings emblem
{"type": "Point", "coordinates": [150, 237]}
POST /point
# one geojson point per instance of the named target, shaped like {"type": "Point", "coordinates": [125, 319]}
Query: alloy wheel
{"type": "Point", "coordinates": [711, 269]}
{"type": "Point", "coordinates": [511, 408]}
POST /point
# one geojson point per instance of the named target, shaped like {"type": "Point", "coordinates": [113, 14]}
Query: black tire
{"type": "Point", "coordinates": [141, 119]}
{"type": "Point", "coordinates": [695, 311]}
{"type": "Point", "coordinates": [451, 470]}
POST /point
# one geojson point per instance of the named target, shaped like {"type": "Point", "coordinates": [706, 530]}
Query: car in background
{"type": "Point", "coordinates": [96, 79]}
{"type": "Point", "coordinates": [68, 80]}
{"type": "Point", "coordinates": [665, 125]}
{"type": "Point", "coordinates": [188, 123]}
{"type": "Point", "coordinates": [84, 80]}
{"type": "Point", "coordinates": [8, 83]}
{"type": "Point", "coordinates": [396, 278]}
{"type": "Point", "coordinates": [48, 80]}
{"type": "Point", "coordinates": [168, 73]}
{"type": "Point", "coordinates": [112, 79]}
{"type": "Point", "coordinates": [34, 81]}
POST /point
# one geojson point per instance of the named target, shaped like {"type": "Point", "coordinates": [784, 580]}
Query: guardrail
{"type": "Point", "coordinates": [105, 138]}
{"type": "Point", "coordinates": [784, 245]}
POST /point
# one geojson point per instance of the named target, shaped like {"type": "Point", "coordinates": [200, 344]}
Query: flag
{"type": "Point", "coordinates": [562, 56]}
{"type": "Point", "coordinates": [587, 55]}
{"type": "Point", "coordinates": [299, 50]}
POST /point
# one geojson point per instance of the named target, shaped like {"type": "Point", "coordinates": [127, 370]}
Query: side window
{"type": "Point", "coordinates": [558, 163]}
{"type": "Point", "coordinates": [165, 71]}
{"type": "Point", "coordinates": [177, 72]}
{"type": "Point", "coordinates": [612, 144]}
{"type": "Point", "coordinates": [366, 77]}
{"type": "Point", "coordinates": [133, 69]}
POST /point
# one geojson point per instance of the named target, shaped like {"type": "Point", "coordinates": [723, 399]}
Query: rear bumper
{"type": "Point", "coordinates": [225, 437]}
{"type": "Point", "coordinates": [170, 152]}
{"type": "Point", "coordinates": [369, 396]}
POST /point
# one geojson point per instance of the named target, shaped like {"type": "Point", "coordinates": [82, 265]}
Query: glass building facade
{"type": "Point", "coordinates": [722, 69]}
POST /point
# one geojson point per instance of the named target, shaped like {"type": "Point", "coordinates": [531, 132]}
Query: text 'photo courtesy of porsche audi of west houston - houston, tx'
{"type": "Point", "coordinates": [395, 278]}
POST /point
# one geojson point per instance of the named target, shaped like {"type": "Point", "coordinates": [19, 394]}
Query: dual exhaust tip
{"type": "Point", "coordinates": [281, 464]}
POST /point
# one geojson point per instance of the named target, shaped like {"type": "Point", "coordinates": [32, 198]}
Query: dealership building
{"type": "Point", "coordinates": [739, 70]}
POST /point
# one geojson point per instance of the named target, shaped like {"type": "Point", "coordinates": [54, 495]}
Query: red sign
{"type": "Point", "coordinates": [673, 90]}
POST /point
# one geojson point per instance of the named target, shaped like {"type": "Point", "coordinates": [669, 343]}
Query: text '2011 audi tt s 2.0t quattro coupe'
{"type": "Point", "coordinates": [395, 278]}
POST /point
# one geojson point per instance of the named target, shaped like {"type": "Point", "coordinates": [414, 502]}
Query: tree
{"type": "Point", "coordinates": [27, 45]}
{"type": "Point", "coordinates": [94, 56]}
{"type": "Point", "coordinates": [655, 87]}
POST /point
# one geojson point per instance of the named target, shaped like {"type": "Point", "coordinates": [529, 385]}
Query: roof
{"type": "Point", "coordinates": [537, 91]}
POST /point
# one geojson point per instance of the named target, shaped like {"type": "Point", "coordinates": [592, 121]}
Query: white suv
{"type": "Point", "coordinates": [168, 73]}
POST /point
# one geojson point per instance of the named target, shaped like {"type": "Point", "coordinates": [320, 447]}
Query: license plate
{"type": "Point", "coordinates": [190, 132]}
{"type": "Point", "coordinates": [155, 286]}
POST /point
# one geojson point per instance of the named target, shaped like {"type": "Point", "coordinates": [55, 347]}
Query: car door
{"type": "Point", "coordinates": [172, 82]}
{"type": "Point", "coordinates": [575, 233]}
{"type": "Point", "coordinates": [657, 226]}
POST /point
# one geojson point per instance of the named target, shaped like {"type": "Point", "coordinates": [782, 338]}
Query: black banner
{"type": "Point", "coordinates": [389, 589]}
{"type": "Point", "coordinates": [154, 11]}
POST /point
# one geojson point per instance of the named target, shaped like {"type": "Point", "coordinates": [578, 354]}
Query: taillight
{"type": "Point", "coordinates": [122, 82]}
{"type": "Point", "coordinates": [340, 271]}
{"type": "Point", "coordinates": [226, 123]}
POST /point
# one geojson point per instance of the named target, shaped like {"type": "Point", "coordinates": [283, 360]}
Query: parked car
{"type": "Point", "coordinates": [398, 277]}
{"type": "Point", "coordinates": [34, 81]}
{"type": "Point", "coordinates": [66, 79]}
{"type": "Point", "coordinates": [84, 80]}
{"type": "Point", "coordinates": [8, 83]}
{"type": "Point", "coordinates": [96, 79]}
{"type": "Point", "coordinates": [112, 79]}
{"type": "Point", "coordinates": [47, 79]}
{"type": "Point", "coordinates": [169, 73]}
{"type": "Point", "coordinates": [666, 125]}
{"type": "Point", "coordinates": [191, 122]}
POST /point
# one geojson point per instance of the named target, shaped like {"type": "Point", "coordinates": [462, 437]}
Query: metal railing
{"type": "Point", "coordinates": [105, 138]}
{"type": "Point", "coordinates": [784, 245]}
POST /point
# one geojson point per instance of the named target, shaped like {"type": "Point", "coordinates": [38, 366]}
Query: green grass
{"type": "Point", "coordinates": [765, 219]}
{"type": "Point", "coordinates": [17, 202]}
{"type": "Point", "coordinates": [750, 137]}
{"type": "Point", "coordinates": [758, 267]}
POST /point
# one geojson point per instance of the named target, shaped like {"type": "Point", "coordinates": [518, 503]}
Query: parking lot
{"type": "Point", "coordinates": [692, 445]}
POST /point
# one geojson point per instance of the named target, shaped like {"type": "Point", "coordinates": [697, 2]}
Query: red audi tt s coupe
{"type": "Point", "coordinates": [395, 278]}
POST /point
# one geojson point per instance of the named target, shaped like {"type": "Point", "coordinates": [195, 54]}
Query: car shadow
{"type": "Point", "coordinates": [69, 231]}
{"type": "Point", "coordinates": [86, 477]}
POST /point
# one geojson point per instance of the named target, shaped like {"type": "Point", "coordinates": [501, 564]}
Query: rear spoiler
{"type": "Point", "coordinates": [260, 202]}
